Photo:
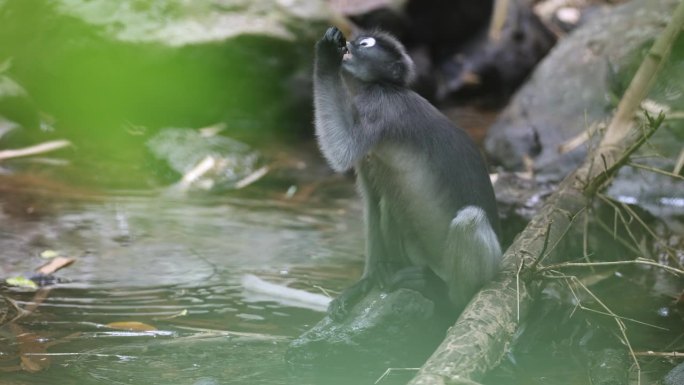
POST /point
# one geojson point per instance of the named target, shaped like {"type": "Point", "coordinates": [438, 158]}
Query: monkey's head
{"type": "Point", "coordinates": [377, 57]}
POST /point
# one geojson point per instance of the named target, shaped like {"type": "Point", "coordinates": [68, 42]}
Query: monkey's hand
{"type": "Point", "coordinates": [330, 48]}
{"type": "Point", "coordinates": [340, 306]}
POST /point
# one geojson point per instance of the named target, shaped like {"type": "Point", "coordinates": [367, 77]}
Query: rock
{"type": "Point", "coordinates": [228, 161]}
{"type": "Point", "coordinates": [395, 329]}
{"type": "Point", "coordinates": [676, 376]}
{"type": "Point", "coordinates": [178, 22]}
{"type": "Point", "coordinates": [578, 85]}
{"type": "Point", "coordinates": [97, 64]}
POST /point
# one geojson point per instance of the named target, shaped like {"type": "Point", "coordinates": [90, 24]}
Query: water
{"type": "Point", "coordinates": [175, 264]}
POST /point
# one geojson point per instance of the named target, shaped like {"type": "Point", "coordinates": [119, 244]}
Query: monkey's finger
{"type": "Point", "coordinates": [339, 38]}
{"type": "Point", "coordinates": [331, 33]}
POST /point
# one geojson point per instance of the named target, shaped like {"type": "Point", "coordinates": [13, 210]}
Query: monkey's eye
{"type": "Point", "coordinates": [367, 42]}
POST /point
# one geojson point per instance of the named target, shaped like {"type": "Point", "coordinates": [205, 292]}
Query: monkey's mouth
{"type": "Point", "coordinates": [346, 53]}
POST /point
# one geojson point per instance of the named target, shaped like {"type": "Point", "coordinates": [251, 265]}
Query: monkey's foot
{"type": "Point", "coordinates": [339, 308]}
{"type": "Point", "coordinates": [423, 280]}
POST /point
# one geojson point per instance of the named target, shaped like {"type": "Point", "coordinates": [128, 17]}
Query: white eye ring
{"type": "Point", "coordinates": [367, 42]}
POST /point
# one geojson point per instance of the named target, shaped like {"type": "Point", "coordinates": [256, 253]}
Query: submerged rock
{"type": "Point", "coordinates": [218, 162]}
{"type": "Point", "coordinates": [609, 367]}
{"type": "Point", "coordinates": [383, 330]}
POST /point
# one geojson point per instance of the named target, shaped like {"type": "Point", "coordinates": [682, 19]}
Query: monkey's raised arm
{"type": "Point", "coordinates": [341, 137]}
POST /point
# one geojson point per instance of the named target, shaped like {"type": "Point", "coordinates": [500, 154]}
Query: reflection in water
{"type": "Point", "coordinates": [177, 266]}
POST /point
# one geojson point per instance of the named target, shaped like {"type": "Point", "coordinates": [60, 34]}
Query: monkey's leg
{"type": "Point", "coordinates": [376, 269]}
{"type": "Point", "coordinates": [472, 254]}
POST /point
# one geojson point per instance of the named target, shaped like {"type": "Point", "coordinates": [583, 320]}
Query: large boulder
{"type": "Point", "coordinates": [577, 88]}
{"type": "Point", "coordinates": [97, 65]}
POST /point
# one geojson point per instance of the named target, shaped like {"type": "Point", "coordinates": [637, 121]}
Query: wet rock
{"type": "Point", "coordinates": [578, 85]}
{"type": "Point", "coordinates": [383, 330]}
{"type": "Point", "coordinates": [179, 22]}
{"type": "Point", "coordinates": [676, 376]}
{"type": "Point", "coordinates": [216, 162]}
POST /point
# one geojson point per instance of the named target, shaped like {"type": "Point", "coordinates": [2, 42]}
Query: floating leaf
{"type": "Point", "coordinates": [49, 254]}
{"type": "Point", "coordinates": [21, 282]}
{"type": "Point", "coordinates": [131, 325]}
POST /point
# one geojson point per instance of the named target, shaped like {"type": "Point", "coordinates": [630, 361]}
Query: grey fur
{"type": "Point", "coordinates": [415, 169]}
{"type": "Point", "coordinates": [474, 241]}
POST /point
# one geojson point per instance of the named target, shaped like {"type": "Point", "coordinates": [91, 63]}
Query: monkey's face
{"type": "Point", "coordinates": [377, 58]}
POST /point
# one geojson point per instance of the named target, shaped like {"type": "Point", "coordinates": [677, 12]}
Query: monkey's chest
{"type": "Point", "coordinates": [413, 209]}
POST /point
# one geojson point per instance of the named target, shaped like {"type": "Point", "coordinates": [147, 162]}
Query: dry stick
{"type": "Point", "coordinates": [679, 164]}
{"type": "Point", "coordinates": [660, 354]}
{"type": "Point", "coordinates": [498, 21]}
{"type": "Point", "coordinates": [34, 150]}
{"type": "Point", "coordinates": [638, 261]}
{"type": "Point", "coordinates": [485, 329]}
{"type": "Point", "coordinates": [656, 170]}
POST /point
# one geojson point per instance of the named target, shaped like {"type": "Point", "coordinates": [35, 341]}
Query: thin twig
{"type": "Point", "coordinates": [33, 150]}
{"type": "Point", "coordinates": [656, 170]}
{"type": "Point", "coordinates": [624, 221]}
{"type": "Point", "coordinates": [517, 287]}
{"type": "Point", "coordinates": [618, 320]}
{"type": "Point", "coordinates": [679, 165]}
{"type": "Point", "coordinates": [390, 370]}
{"type": "Point", "coordinates": [623, 241]}
{"type": "Point", "coordinates": [660, 354]}
{"type": "Point", "coordinates": [638, 261]}
{"type": "Point", "coordinates": [669, 250]}
{"type": "Point", "coordinates": [585, 237]}
{"type": "Point", "coordinates": [543, 254]}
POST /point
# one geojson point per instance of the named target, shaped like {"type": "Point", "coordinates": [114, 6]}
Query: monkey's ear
{"type": "Point", "coordinates": [398, 72]}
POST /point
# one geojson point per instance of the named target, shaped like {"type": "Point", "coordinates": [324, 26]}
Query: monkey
{"type": "Point", "coordinates": [430, 214]}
